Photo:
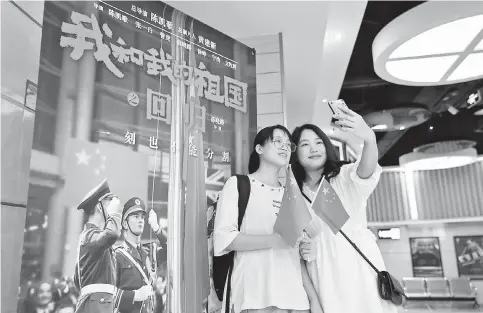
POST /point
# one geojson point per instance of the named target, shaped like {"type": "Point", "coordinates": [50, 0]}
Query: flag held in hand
{"type": "Point", "coordinates": [329, 208]}
{"type": "Point", "coordinates": [293, 215]}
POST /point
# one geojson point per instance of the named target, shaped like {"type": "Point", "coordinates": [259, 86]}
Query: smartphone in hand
{"type": "Point", "coordinates": [334, 107]}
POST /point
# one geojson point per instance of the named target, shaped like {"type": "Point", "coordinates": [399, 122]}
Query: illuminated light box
{"type": "Point", "coordinates": [391, 233]}
{"type": "Point", "coordinates": [434, 43]}
{"type": "Point", "coordinates": [420, 70]}
{"type": "Point", "coordinates": [453, 37]}
{"type": "Point", "coordinates": [472, 66]}
{"type": "Point", "coordinates": [479, 46]}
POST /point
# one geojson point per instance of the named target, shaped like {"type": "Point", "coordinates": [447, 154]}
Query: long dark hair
{"type": "Point", "coordinates": [261, 139]}
{"type": "Point", "coordinates": [332, 164]}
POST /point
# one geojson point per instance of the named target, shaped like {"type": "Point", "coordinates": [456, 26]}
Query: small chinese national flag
{"type": "Point", "coordinates": [293, 215]}
{"type": "Point", "coordinates": [329, 208]}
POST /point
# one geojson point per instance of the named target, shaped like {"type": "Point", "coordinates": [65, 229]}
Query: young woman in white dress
{"type": "Point", "coordinates": [343, 280]}
{"type": "Point", "coordinates": [267, 274]}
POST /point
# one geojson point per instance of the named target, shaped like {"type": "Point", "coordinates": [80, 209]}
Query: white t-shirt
{"type": "Point", "coordinates": [261, 278]}
{"type": "Point", "coordinates": [342, 278]}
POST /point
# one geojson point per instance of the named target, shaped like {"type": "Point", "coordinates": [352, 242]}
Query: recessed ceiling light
{"type": "Point", "coordinates": [454, 93]}
{"type": "Point", "coordinates": [424, 48]}
{"type": "Point", "coordinates": [430, 127]}
{"type": "Point", "coordinates": [479, 112]}
{"type": "Point", "coordinates": [448, 38]}
{"type": "Point", "coordinates": [453, 110]}
{"type": "Point", "coordinates": [379, 127]}
{"type": "Point", "coordinates": [402, 128]}
{"type": "Point", "coordinates": [420, 70]}
{"type": "Point", "coordinates": [471, 67]}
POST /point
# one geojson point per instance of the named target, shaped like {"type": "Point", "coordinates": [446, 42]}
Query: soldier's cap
{"type": "Point", "coordinates": [133, 205]}
{"type": "Point", "coordinates": [94, 196]}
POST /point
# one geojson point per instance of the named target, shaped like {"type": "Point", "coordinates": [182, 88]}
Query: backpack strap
{"type": "Point", "coordinates": [243, 185]}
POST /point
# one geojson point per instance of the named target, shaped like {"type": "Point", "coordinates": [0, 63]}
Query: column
{"type": "Point", "coordinates": [270, 80]}
{"type": "Point", "coordinates": [342, 27]}
{"type": "Point", "coordinates": [243, 143]}
{"type": "Point", "coordinates": [84, 105]}
{"type": "Point", "coordinates": [54, 244]}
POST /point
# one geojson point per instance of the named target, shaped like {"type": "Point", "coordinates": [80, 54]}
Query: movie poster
{"type": "Point", "coordinates": [426, 257]}
{"type": "Point", "coordinates": [111, 76]}
{"type": "Point", "coordinates": [469, 256]}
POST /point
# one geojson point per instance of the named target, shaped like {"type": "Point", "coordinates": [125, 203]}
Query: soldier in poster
{"type": "Point", "coordinates": [95, 269]}
{"type": "Point", "coordinates": [137, 263]}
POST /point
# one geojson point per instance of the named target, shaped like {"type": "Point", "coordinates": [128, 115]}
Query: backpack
{"type": "Point", "coordinates": [222, 265]}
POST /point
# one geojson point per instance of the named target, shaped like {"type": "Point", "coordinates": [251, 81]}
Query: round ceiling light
{"type": "Point", "coordinates": [440, 155]}
{"type": "Point", "coordinates": [397, 118]}
{"type": "Point", "coordinates": [435, 43]}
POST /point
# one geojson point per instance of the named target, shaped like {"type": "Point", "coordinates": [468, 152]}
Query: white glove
{"type": "Point", "coordinates": [114, 206]}
{"type": "Point", "coordinates": [143, 293]}
{"type": "Point", "coordinates": [153, 221]}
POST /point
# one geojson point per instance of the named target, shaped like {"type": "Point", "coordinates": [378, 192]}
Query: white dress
{"type": "Point", "coordinates": [261, 278]}
{"type": "Point", "coordinates": [344, 281]}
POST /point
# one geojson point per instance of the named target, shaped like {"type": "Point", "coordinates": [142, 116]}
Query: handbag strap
{"type": "Point", "coordinates": [351, 242]}
{"type": "Point", "coordinates": [360, 252]}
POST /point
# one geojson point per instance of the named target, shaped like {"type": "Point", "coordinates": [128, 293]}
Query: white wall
{"type": "Point", "coordinates": [397, 253]}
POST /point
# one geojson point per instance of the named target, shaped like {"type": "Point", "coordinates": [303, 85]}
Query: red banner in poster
{"type": "Point", "coordinates": [87, 163]}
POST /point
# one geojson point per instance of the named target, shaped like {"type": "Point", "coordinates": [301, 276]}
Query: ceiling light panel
{"type": "Point", "coordinates": [420, 70]}
{"type": "Point", "coordinates": [452, 37]}
{"type": "Point", "coordinates": [479, 46]}
{"type": "Point", "coordinates": [472, 66]}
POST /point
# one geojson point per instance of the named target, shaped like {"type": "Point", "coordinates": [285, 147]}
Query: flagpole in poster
{"type": "Point", "coordinates": [176, 193]}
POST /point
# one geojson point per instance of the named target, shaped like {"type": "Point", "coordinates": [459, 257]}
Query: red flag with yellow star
{"type": "Point", "coordinates": [293, 215]}
{"type": "Point", "coordinates": [87, 163]}
{"type": "Point", "coordinates": [329, 208]}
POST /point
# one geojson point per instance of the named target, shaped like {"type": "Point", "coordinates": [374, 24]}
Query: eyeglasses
{"type": "Point", "coordinates": [279, 144]}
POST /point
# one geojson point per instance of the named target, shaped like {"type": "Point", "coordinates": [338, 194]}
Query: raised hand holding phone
{"type": "Point", "coordinates": [351, 122]}
{"type": "Point", "coordinates": [335, 107]}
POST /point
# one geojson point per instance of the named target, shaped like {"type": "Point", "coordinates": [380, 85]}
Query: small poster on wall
{"type": "Point", "coordinates": [426, 257]}
{"type": "Point", "coordinates": [469, 256]}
